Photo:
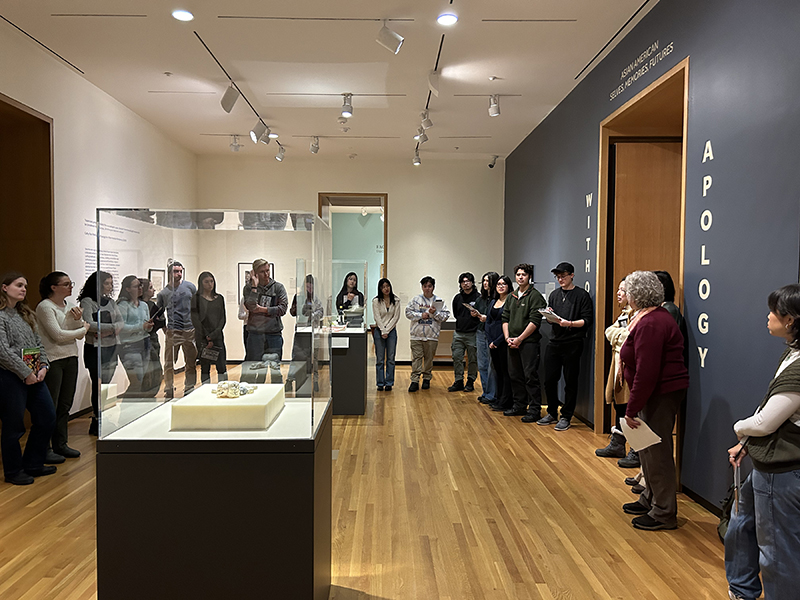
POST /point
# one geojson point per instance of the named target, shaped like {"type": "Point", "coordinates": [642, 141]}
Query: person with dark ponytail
{"type": "Point", "coordinates": [60, 325]}
{"type": "Point", "coordinates": [763, 536]}
{"type": "Point", "coordinates": [105, 322]}
{"type": "Point", "coordinates": [23, 367]}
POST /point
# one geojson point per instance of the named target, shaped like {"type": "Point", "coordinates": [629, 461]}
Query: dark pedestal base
{"type": "Point", "coordinates": [212, 520]}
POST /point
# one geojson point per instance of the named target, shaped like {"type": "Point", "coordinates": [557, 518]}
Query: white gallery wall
{"type": "Point", "coordinates": [104, 154]}
{"type": "Point", "coordinates": [444, 217]}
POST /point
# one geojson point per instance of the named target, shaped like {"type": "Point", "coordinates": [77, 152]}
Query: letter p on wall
{"type": "Point", "coordinates": [707, 181]}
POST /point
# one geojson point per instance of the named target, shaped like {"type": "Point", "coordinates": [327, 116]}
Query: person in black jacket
{"type": "Point", "coordinates": [498, 348]}
{"type": "Point", "coordinates": [563, 353]}
{"type": "Point", "coordinates": [465, 336]}
{"type": "Point", "coordinates": [350, 298]}
{"type": "Point", "coordinates": [208, 318]}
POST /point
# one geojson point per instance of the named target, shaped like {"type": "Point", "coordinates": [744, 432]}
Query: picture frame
{"type": "Point", "coordinates": [157, 277]}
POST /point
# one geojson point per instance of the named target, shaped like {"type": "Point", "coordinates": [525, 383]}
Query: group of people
{"type": "Point", "coordinates": [497, 336]}
{"type": "Point", "coordinates": [39, 353]}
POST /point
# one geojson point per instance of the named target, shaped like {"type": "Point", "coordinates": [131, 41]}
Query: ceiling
{"type": "Point", "coordinates": [293, 60]}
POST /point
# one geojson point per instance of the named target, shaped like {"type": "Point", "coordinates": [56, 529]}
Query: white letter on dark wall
{"type": "Point", "coordinates": [703, 259]}
{"type": "Point", "coordinates": [706, 184]}
{"type": "Point", "coordinates": [703, 352]}
{"type": "Point", "coordinates": [705, 220]}
{"type": "Point", "coordinates": [708, 153]}
{"type": "Point", "coordinates": [702, 323]}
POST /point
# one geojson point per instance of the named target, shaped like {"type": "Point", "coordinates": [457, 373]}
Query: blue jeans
{"type": "Point", "coordinates": [488, 383]}
{"type": "Point", "coordinates": [765, 536]}
{"type": "Point", "coordinates": [259, 345]}
{"type": "Point", "coordinates": [384, 356]}
{"type": "Point", "coordinates": [16, 397]}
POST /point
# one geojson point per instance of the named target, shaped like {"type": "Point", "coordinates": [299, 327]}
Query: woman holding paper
{"type": "Point", "coordinates": [652, 359]}
{"type": "Point", "coordinates": [763, 534]}
{"type": "Point", "coordinates": [23, 366]}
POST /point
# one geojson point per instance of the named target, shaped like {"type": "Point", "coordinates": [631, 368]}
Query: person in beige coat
{"type": "Point", "coordinates": [617, 390]}
{"type": "Point", "coordinates": [386, 310]}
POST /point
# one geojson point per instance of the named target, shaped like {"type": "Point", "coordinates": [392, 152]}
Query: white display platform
{"type": "Point", "coordinates": [203, 411]}
{"type": "Point", "coordinates": [297, 420]}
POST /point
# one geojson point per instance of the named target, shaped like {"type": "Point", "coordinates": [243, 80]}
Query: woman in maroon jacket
{"type": "Point", "coordinates": [652, 358]}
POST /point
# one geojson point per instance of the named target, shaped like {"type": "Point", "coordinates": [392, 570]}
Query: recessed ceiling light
{"type": "Point", "coordinates": [273, 135]}
{"type": "Point", "coordinates": [493, 77]}
{"type": "Point", "coordinates": [447, 19]}
{"type": "Point", "coordinates": [182, 15]}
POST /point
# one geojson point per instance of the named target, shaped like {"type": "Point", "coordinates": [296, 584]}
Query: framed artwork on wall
{"type": "Point", "coordinates": [157, 277]}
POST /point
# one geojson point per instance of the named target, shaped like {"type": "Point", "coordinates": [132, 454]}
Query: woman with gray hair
{"type": "Point", "coordinates": [652, 359]}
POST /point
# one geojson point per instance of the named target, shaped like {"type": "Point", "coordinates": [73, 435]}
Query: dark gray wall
{"type": "Point", "coordinates": [744, 83]}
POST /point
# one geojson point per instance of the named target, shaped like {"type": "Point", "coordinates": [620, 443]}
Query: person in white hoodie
{"type": "Point", "coordinates": [426, 312]}
{"type": "Point", "coordinates": [386, 310]}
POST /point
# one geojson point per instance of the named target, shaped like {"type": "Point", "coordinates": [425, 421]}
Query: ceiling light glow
{"type": "Point", "coordinates": [182, 15]}
{"type": "Point", "coordinates": [447, 19]}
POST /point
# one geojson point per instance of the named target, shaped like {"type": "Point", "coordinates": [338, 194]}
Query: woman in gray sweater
{"type": "Point", "coordinates": [23, 366]}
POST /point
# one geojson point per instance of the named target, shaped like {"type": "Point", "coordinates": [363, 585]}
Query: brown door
{"type": "Point", "coordinates": [26, 229]}
{"type": "Point", "coordinates": [647, 210]}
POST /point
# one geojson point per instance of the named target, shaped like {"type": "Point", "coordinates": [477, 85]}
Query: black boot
{"type": "Point", "coordinates": [631, 461]}
{"type": "Point", "coordinates": [458, 386]}
{"type": "Point", "coordinates": [615, 448]}
{"type": "Point", "coordinates": [469, 387]}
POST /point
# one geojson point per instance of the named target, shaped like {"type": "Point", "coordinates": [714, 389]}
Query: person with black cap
{"type": "Point", "coordinates": [563, 352]}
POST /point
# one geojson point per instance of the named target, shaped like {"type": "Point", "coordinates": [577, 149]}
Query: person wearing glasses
{"type": "Point", "coordinates": [563, 352]}
{"type": "Point", "coordinates": [60, 325]}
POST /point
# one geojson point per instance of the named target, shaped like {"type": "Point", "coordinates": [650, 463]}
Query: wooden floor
{"type": "Point", "coordinates": [434, 497]}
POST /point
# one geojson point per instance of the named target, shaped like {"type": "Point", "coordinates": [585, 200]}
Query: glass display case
{"type": "Point", "coordinates": [212, 324]}
{"type": "Point", "coordinates": [352, 306]}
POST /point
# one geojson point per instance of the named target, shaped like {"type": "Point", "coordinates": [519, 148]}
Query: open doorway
{"type": "Point", "coordinates": [26, 191]}
{"type": "Point", "coordinates": [641, 205]}
{"type": "Point", "coordinates": [358, 226]}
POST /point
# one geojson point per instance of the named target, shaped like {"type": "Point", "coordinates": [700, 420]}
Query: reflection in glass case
{"type": "Point", "coordinates": [235, 345]}
{"type": "Point", "coordinates": [350, 292]}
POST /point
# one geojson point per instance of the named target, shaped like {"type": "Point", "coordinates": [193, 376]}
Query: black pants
{"type": "Point", "coordinates": [108, 356]}
{"type": "Point", "coordinates": [499, 364]}
{"type": "Point", "coordinates": [221, 363]}
{"type": "Point", "coordinates": [16, 398]}
{"type": "Point", "coordinates": [523, 369]}
{"type": "Point", "coordinates": [564, 356]}
{"type": "Point", "coordinates": [61, 380]}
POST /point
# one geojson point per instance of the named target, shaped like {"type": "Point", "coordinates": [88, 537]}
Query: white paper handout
{"type": "Point", "coordinates": [640, 438]}
{"type": "Point", "coordinates": [551, 317]}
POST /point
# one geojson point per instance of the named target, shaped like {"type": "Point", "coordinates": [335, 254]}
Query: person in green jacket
{"type": "Point", "coordinates": [521, 320]}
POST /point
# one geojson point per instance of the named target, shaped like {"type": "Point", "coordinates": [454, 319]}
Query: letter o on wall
{"type": "Point", "coordinates": [702, 323]}
{"type": "Point", "coordinates": [704, 289]}
{"type": "Point", "coordinates": [705, 220]}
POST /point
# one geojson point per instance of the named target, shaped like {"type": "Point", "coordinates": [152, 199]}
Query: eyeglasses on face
{"type": "Point", "coordinates": [68, 284]}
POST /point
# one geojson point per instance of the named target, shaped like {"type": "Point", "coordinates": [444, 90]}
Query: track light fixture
{"type": "Point", "coordinates": [229, 98]}
{"type": "Point", "coordinates": [423, 138]}
{"type": "Point", "coordinates": [493, 162]}
{"type": "Point", "coordinates": [268, 136]}
{"type": "Point", "coordinates": [347, 105]}
{"type": "Point", "coordinates": [281, 152]}
{"type": "Point", "coordinates": [314, 148]}
{"type": "Point", "coordinates": [389, 39]}
{"type": "Point", "coordinates": [433, 83]}
{"type": "Point", "coordinates": [258, 131]}
{"type": "Point", "coordinates": [420, 131]}
{"type": "Point", "coordinates": [416, 162]}
{"type": "Point", "coordinates": [426, 121]}
{"type": "Point", "coordinates": [494, 106]}
{"type": "Point", "coordinates": [235, 145]}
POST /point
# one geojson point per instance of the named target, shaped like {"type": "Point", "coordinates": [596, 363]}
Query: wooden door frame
{"type": "Point", "coordinates": [384, 197]}
{"type": "Point", "coordinates": [49, 121]}
{"type": "Point", "coordinates": [606, 132]}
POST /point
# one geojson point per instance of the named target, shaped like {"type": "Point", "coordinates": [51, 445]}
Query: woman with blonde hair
{"type": "Point", "coordinates": [23, 366]}
{"type": "Point", "coordinates": [617, 390]}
